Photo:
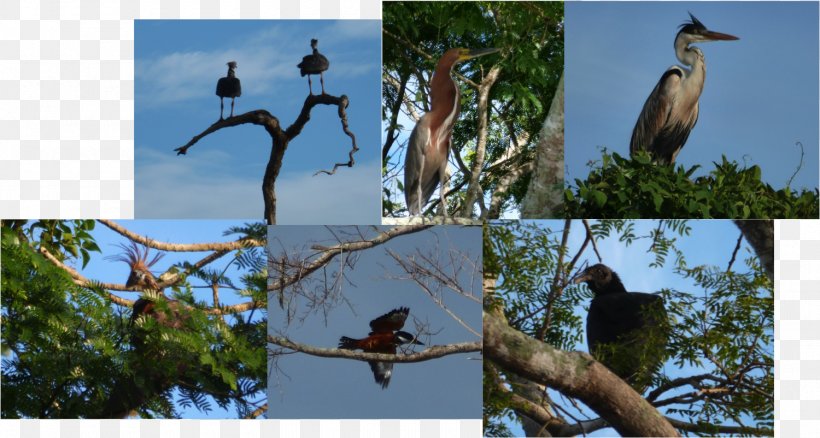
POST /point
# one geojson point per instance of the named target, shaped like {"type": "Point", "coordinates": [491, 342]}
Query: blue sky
{"type": "Point", "coordinates": [177, 65]}
{"type": "Point", "coordinates": [314, 387]}
{"type": "Point", "coordinates": [760, 95]}
{"type": "Point", "coordinates": [171, 232]}
{"type": "Point", "coordinates": [711, 242]}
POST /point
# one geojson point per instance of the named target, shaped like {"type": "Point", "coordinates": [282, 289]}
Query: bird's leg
{"type": "Point", "coordinates": [443, 183]}
{"type": "Point", "coordinates": [310, 86]}
{"type": "Point", "coordinates": [418, 186]}
{"type": "Point", "coordinates": [232, 100]}
{"type": "Point", "coordinates": [221, 108]}
{"type": "Point", "coordinates": [322, 80]}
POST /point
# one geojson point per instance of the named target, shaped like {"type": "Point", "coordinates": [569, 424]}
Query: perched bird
{"type": "Point", "coordinates": [141, 277]}
{"type": "Point", "coordinates": [229, 86]}
{"type": "Point", "coordinates": [671, 110]}
{"type": "Point", "coordinates": [626, 331]}
{"type": "Point", "coordinates": [385, 337]}
{"type": "Point", "coordinates": [314, 64]}
{"type": "Point", "coordinates": [425, 165]}
{"type": "Point", "coordinates": [130, 391]}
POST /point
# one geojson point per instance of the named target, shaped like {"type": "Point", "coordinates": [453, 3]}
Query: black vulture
{"type": "Point", "coordinates": [626, 331]}
{"type": "Point", "coordinates": [229, 86]}
{"type": "Point", "coordinates": [314, 64]}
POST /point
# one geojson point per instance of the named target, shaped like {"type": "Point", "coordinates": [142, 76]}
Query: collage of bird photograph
{"type": "Point", "coordinates": [537, 216]}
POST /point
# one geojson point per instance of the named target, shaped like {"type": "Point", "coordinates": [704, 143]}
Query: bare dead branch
{"type": "Point", "coordinates": [433, 352]}
{"type": "Point", "coordinates": [180, 247]}
{"type": "Point", "coordinates": [328, 253]}
{"type": "Point", "coordinates": [279, 141]}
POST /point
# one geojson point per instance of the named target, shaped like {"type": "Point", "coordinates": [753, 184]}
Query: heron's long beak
{"type": "Point", "coordinates": [475, 53]}
{"type": "Point", "coordinates": [717, 36]}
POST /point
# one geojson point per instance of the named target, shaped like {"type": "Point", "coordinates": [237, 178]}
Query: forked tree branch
{"type": "Point", "coordinates": [280, 138]}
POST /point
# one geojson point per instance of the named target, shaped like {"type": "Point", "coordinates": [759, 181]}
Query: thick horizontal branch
{"type": "Point", "coordinates": [181, 247]}
{"type": "Point", "coordinates": [432, 352]}
{"type": "Point", "coordinates": [574, 374]}
{"type": "Point", "coordinates": [82, 281]}
{"type": "Point", "coordinates": [257, 117]}
{"type": "Point", "coordinates": [430, 220]}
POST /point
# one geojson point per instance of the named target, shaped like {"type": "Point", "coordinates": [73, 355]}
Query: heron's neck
{"type": "Point", "coordinates": [443, 91]}
{"type": "Point", "coordinates": [692, 57]}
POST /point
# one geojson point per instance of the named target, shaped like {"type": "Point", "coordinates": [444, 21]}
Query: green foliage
{"type": "Point", "coordinates": [67, 350]}
{"type": "Point", "coordinates": [638, 188]}
{"type": "Point", "coordinates": [531, 38]}
{"type": "Point", "coordinates": [724, 327]}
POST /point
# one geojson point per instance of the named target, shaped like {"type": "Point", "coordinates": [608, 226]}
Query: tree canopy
{"type": "Point", "coordinates": [69, 348]}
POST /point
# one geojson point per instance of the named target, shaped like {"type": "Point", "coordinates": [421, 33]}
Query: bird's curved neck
{"type": "Point", "coordinates": [444, 91]}
{"type": "Point", "coordinates": [693, 58]}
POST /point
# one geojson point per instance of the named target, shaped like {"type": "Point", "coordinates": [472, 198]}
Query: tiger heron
{"type": "Point", "coordinates": [228, 86]}
{"type": "Point", "coordinates": [425, 165]}
{"type": "Point", "coordinates": [314, 64]}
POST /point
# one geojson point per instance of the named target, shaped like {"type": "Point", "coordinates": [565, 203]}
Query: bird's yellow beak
{"type": "Point", "coordinates": [475, 53]}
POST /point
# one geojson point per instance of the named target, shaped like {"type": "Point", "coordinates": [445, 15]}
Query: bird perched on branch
{"type": "Point", "coordinates": [132, 389]}
{"type": "Point", "coordinates": [140, 277]}
{"type": "Point", "coordinates": [671, 111]}
{"type": "Point", "coordinates": [229, 86]}
{"type": "Point", "coordinates": [626, 331]}
{"type": "Point", "coordinates": [315, 63]}
{"type": "Point", "coordinates": [385, 337]}
{"type": "Point", "coordinates": [425, 165]}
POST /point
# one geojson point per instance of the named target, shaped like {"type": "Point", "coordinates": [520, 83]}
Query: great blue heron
{"type": "Point", "coordinates": [671, 111]}
{"type": "Point", "coordinates": [313, 64]}
{"type": "Point", "coordinates": [425, 165]}
{"type": "Point", "coordinates": [228, 86]}
{"type": "Point", "coordinates": [626, 331]}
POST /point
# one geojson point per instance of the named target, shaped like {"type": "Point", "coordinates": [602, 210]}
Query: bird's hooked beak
{"type": "Point", "coordinates": [475, 53]}
{"type": "Point", "coordinates": [582, 277]}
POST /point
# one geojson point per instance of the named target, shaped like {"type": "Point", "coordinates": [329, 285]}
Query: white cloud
{"type": "Point", "coordinates": [264, 59]}
{"type": "Point", "coordinates": [198, 187]}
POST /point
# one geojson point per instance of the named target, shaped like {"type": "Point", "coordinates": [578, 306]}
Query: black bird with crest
{"type": "Point", "coordinates": [313, 64]}
{"type": "Point", "coordinates": [229, 86]}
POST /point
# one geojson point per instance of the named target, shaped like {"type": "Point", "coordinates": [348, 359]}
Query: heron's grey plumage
{"type": "Point", "coordinates": [671, 111]}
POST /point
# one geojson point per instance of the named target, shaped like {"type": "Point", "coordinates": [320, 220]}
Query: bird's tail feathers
{"type": "Point", "coordinates": [348, 343]}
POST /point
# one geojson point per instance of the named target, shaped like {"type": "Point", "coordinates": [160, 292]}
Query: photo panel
{"type": "Point", "coordinates": [134, 319]}
{"type": "Point", "coordinates": [472, 110]}
{"type": "Point", "coordinates": [295, 142]}
{"type": "Point", "coordinates": [339, 295]}
{"type": "Point", "coordinates": [597, 326]}
{"type": "Point", "coordinates": [692, 110]}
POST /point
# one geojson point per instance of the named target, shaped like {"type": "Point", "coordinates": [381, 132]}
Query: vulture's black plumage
{"type": "Point", "coordinates": [313, 64]}
{"type": "Point", "coordinates": [626, 331]}
{"type": "Point", "coordinates": [229, 86]}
